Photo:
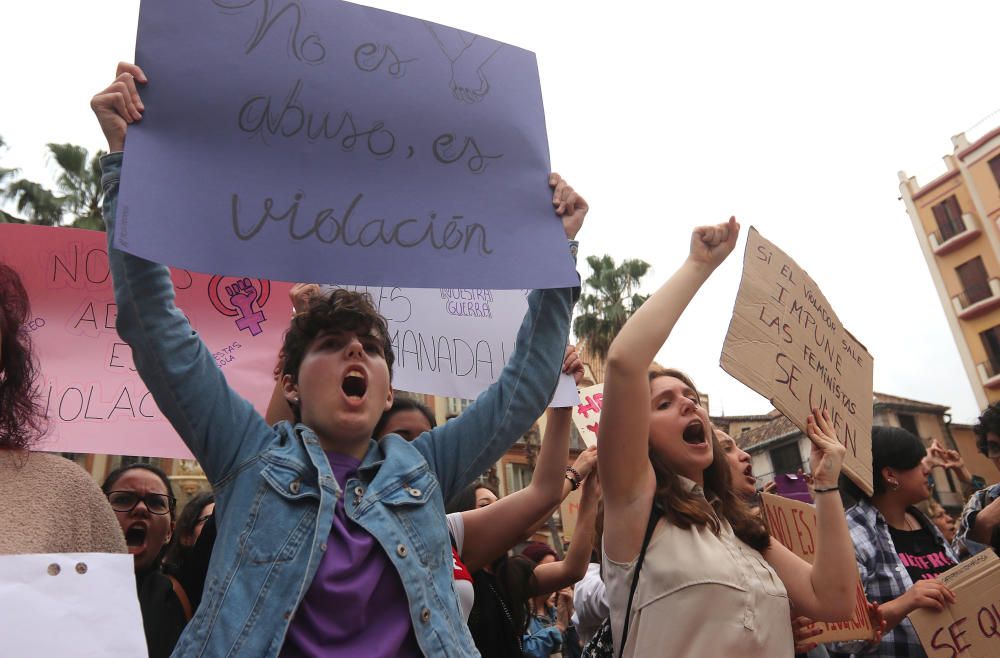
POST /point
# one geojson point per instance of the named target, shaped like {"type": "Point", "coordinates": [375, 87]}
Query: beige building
{"type": "Point", "coordinates": [956, 217]}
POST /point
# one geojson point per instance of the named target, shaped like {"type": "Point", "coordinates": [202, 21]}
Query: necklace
{"type": "Point", "coordinates": [510, 619]}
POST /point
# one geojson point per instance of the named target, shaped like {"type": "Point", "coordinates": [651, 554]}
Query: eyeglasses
{"type": "Point", "coordinates": [125, 501]}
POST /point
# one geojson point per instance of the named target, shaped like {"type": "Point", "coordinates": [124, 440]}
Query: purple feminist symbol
{"type": "Point", "coordinates": [242, 294]}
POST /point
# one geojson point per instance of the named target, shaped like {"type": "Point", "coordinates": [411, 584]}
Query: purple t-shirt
{"type": "Point", "coordinates": [356, 604]}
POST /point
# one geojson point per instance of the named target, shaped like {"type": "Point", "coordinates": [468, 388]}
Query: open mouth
{"type": "Point", "coordinates": [135, 536]}
{"type": "Point", "coordinates": [694, 433]}
{"type": "Point", "coordinates": [748, 472]}
{"type": "Point", "coordinates": [355, 385]}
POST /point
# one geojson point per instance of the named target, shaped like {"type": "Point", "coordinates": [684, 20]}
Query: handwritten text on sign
{"type": "Point", "coordinates": [453, 342]}
{"type": "Point", "coordinates": [343, 143]}
{"type": "Point", "coordinates": [786, 343]}
{"type": "Point", "coordinates": [587, 413]}
{"type": "Point", "coordinates": [970, 627]}
{"type": "Point", "coordinates": [793, 523]}
{"type": "Point", "coordinates": [94, 399]}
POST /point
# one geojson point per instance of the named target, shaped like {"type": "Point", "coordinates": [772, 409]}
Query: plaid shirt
{"type": "Point", "coordinates": [884, 578]}
{"type": "Point", "coordinates": [963, 545]}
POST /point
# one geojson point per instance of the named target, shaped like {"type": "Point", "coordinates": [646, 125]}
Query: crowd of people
{"type": "Point", "coordinates": [347, 522]}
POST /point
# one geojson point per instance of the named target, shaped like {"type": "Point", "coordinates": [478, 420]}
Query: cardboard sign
{"type": "Point", "coordinates": [786, 343]}
{"type": "Point", "coordinates": [970, 627]}
{"type": "Point", "coordinates": [569, 510]}
{"type": "Point", "coordinates": [70, 604]}
{"type": "Point", "coordinates": [587, 413]}
{"type": "Point", "coordinates": [793, 523]}
{"type": "Point", "coordinates": [453, 341]}
{"type": "Point", "coordinates": [94, 399]}
{"type": "Point", "coordinates": [342, 143]}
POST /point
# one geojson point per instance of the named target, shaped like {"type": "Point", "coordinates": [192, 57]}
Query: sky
{"type": "Point", "coordinates": [794, 116]}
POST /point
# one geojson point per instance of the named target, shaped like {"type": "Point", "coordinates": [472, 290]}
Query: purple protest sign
{"type": "Point", "coordinates": [314, 140]}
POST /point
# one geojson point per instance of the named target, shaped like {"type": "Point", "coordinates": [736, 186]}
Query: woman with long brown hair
{"type": "Point", "coordinates": [710, 580]}
{"type": "Point", "coordinates": [48, 504]}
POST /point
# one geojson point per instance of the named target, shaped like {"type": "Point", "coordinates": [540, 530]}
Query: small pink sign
{"type": "Point", "coordinates": [93, 397]}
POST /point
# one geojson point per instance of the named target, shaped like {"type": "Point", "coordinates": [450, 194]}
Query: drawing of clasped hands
{"type": "Point", "coordinates": [468, 84]}
{"type": "Point", "coordinates": [243, 294]}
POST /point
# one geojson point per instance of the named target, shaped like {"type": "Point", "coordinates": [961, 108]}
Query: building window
{"type": "Point", "coordinates": [991, 343]}
{"type": "Point", "coordinates": [948, 215]}
{"type": "Point", "coordinates": [786, 458]}
{"type": "Point", "coordinates": [908, 423]}
{"type": "Point", "coordinates": [518, 477]}
{"type": "Point", "coordinates": [995, 168]}
{"type": "Point", "coordinates": [457, 405]}
{"type": "Point", "coordinates": [975, 281]}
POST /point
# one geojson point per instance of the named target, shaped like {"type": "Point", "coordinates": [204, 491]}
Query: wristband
{"type": "Point", "coordinates": [573, 476]}
{"type": "Point", "coordinates": [827, 489]}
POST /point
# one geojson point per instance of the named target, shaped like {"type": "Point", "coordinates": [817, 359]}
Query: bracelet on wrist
{"type": "Point", "coordinates": [827, 489]}
{"type": "Point", "coordinates": [573, 476]}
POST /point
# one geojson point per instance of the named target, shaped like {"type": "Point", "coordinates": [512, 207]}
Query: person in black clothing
{"type": "Point", "coordinates": [144, 502]}
{"type": "Point", "coordinates": [187, 556]}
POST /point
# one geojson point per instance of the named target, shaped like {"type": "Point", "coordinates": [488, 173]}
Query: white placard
{"type": "Point", "coordinates": [587, 413]}
{"type": "Point", "coordinates": [453, 341]}
{"type": "Point", "coordinates": [70, 604]}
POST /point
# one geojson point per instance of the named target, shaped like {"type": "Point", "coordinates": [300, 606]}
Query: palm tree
{"type": "Point", "coordinates": [80, 184]}
{"type": "Point", "coordinates": [78, 190]}
{"type": "Point", "coordinates": [610, 299]}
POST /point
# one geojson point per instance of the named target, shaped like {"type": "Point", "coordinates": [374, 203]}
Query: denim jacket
{"type": "Point", "coordinates": [275, 490]}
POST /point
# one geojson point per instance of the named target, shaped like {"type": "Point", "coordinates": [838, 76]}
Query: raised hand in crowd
{"type": "Point", "coordinates": [301, 294]}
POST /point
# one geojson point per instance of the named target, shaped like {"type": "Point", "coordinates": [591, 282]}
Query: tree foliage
{"type": "Point", "coordinates": [609, 299]}
{"type": "Point", "coordinates": [76, 199]}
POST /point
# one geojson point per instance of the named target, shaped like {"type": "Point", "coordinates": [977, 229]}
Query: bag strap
{"type": "Point", "coordinates": [182, 597]}
{"type": "Point", "coordinates": [654, 517]}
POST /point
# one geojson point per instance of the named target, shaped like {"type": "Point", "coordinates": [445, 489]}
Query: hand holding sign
{"type": "Point", "coordinates": [568, 204]}
{"type": "Point", "coordinates": [119, 105]}
{"type": "Point", "coordinates": [827, 454]}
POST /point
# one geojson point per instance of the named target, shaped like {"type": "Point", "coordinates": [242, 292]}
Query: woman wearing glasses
{"type": "Point", "coordinates": [143, 501]}
{"type": "Point", "coordinates": [47, 504]}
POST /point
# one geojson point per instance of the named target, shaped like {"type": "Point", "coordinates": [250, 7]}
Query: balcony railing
{"type": "Point", "coordinates": [956, 234]}
{"type": "Point", "coordinates": [978, 299]}
{"type": "Point", "coordinates": [989, 374]}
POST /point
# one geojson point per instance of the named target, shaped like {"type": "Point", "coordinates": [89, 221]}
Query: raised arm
{"type": "Point", "coordinates": [278, 408]}
{"type": "Point", "coordinates": [464, 447]}
{"type": "Point", "coordinates": [623, 460]}
{"type": "Point", "coordinates": [216, 424]}
{"type": "Point", "coordinates": [492, 530]}
{"type": "Point", "coordinates": [557, 575]}
{"type": "Point", "coordinates": [823, 590]}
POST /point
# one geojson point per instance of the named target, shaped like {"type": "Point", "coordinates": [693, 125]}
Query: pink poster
{"type": "Point", "coordinates": [93, 397]}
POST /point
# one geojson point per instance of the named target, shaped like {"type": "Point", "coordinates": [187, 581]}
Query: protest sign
{"type": "Point", "coordinates": [94, 399]}
{"type": "Point", "coordinates": [970, 627]}
{"type": "Point", "coordinates": [587, 413]}
{"type": "Point", "coordinates": [569, 510]}
{"type": "Point", "coordinates": [786, 343]}
{"type": "Point", "coordinates": [793, 523]}
{"type": "Point", "coordinates": [70, 604]}
{"type": "Point", "coordinates": [453, 341]}
{"type": "Point", "coordinates": [319, 140]}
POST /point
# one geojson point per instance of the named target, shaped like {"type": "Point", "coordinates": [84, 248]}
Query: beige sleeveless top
{"type": "Point", "coordinates": [700, 595]}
